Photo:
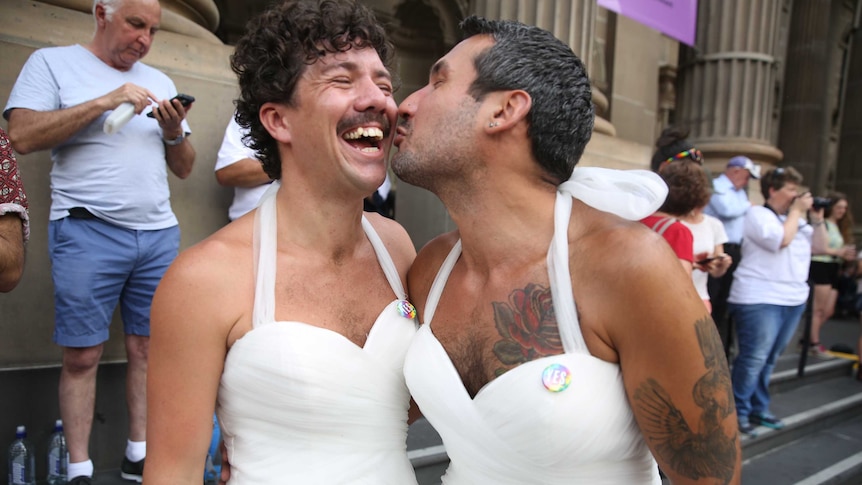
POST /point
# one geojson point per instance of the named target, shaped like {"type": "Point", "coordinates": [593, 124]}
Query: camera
{"type": "Point", "coordinates": [821, 203]}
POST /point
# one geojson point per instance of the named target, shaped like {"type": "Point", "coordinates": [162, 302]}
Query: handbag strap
{"type": "Point", "coordinates": [662, 224]}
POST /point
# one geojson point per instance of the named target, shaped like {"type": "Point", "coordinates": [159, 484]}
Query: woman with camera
{"type": "Point", "coordinates": [826, 265]}
{"type": "Point", "coordinates": [770, 289]}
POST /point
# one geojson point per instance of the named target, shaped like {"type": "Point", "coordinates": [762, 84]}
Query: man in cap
{"type": "Point", "coordinates": [729, 203]}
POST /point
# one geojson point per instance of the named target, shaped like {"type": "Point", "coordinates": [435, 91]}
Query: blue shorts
{"type": "Point", "coordinates": [94, 265]}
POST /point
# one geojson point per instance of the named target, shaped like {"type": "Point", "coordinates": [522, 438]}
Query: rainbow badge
{"type": "Point", "coordinates": [556, 378]}
{"type": "Point", "coordinates": [406, 309]}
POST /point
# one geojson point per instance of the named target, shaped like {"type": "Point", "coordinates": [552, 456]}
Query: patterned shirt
{"type": "Point", "coordinates": [12, 196]}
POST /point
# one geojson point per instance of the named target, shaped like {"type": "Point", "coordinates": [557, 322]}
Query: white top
{"type": "Point", "coordinates": [231, 151]}
{"type": "Point", "coordinates": [767, 273]}
{"type": "Point", "coordinates": [707, 234]}
{"type": "Point", "coordinates": [517, 432]}
{"type": "Point", "coordinates": [121, 178]}
{"type": "Point", "coordinates": [301, 404]}
{"type": "Point", "coordinates": [728, 204]}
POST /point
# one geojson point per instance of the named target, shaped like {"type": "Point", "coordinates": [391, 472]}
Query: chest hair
{"type": "Point", "coordinates": [501, 335]}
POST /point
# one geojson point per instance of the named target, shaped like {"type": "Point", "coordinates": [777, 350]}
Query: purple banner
{"type": "Point", "coordinates": [674, 18]}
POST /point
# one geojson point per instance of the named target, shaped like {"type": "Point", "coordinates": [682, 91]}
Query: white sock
{"type": "Point", "coordinates": [82, 468]}
{"type": "Point", "coordinates": [136, 450]}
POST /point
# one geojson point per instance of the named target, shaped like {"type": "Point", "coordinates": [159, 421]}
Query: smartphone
{"type": "Point", "coordinates": [706, 260]}
{"type": "Point", "coordinates": [185, 99]}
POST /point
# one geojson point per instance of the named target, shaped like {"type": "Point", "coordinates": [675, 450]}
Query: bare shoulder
{"type": "Point", "coordinates": [225, 251]}
{"type": "Point", "coordinates": [213, 278]}
{"type": "Point", "coordinates": [396, 240]}
{"type": "Point", "coordinates": [623, 273]}
{"type": "Point", "coordinates": [605, 245]}
{"type": "Point", "coordinates": [426, 265]}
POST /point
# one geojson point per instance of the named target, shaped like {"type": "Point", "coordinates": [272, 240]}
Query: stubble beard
{"type": "Point", "coordinates": [409, 169]}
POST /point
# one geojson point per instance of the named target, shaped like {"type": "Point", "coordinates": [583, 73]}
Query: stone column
{"type": "Point", "coordinates": [812, 111]}
{"type": "Point", "coordinates": [572, 21]}
{"type": "Point", "coordinates": [728, 93]}
{"type": "Point", "coordinates": [195, 18]}
{"type": "Point", "coordinates": [848, 169]}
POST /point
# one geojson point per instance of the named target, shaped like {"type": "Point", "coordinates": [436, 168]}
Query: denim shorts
{"type": "Point", "coordinates": [94, 266]}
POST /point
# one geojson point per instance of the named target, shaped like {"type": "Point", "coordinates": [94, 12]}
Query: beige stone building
{"type": "Point", "coordinates": [777, 80]}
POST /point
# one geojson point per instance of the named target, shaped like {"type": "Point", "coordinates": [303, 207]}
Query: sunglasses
{"type": "Point", "coordinates": [694, 154]}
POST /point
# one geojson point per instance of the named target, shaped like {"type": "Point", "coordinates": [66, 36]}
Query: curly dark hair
{"type": "Point", "coordinates": [689, 187]}
{"type": "Point", "coordinates": [277, 47]}
{"type": "Point", "coordinates": [776, 179]}
{"type": "Point", "coordinates": [531, 59]}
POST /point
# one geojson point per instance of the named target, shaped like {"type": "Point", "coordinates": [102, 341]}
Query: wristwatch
{"type": "Point", "coordinates": [176, 141]}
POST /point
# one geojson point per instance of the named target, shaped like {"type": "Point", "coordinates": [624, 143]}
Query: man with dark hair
{"type": "Point", "coordinates": [292, 324]}
{"type": "Point", "coordinates": [112, 231]}
{"type": "Point", "coordinates": [559, 365]}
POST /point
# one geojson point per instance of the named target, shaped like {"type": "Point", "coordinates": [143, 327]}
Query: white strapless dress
{"type": "Point", "coordinates": [300, 404]}
{"type": "Point", "coordinates": [518, 432]}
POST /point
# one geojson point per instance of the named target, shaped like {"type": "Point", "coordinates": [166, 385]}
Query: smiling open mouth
{"type": "Point", "coordinates": [365, 139]}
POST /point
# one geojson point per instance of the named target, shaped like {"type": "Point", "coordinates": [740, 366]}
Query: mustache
{"type": "Point", "coordinates": [365, 119]}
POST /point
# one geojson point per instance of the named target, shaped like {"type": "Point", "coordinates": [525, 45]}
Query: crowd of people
{"type": "Point", "coordinates": [511, 330]}
{"type": "Point", "coordinates": [760, 286]}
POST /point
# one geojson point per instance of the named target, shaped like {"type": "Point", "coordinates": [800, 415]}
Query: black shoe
{"type": "Point", "coordinates": [130, 470]}
{"type": "Point", "coordinates": [80, 480]}
{"type": "Point", "coordinates": [768, 421]}
{"type": "Point", "coordinates": [747, 429]}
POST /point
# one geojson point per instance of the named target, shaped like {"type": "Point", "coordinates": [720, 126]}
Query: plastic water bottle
{"type": "Point", "coordinates": [22, 460]}
{"type": "Point", "coordinates": [212, 467]}
{"type": "Point", "coordinates": [118, 118]}
{"type": "Point", "coordinates": [58, 456]}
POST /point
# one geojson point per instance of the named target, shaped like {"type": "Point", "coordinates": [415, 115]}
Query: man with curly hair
{"type": "Point", "coordinates": [292, 322]}
{"type": "Point", "coordinates": [561, 343]}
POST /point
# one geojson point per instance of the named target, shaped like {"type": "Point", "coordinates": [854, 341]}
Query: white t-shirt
{"type": "Point", "coordinates": [121, 178]}
{"type": "Point", "coordinates": [233, 150]}
{"type": "Point", "coordinates": [707, 234]}
{"type": "Point", "coordinates": [768, 273]}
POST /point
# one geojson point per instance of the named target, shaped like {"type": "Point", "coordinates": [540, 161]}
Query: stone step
{"type": "Point", "coordinates": [826, 455]}
{"type": "Point", "coordinates": [806, 408]}
{"type": "Point", "coordinates": [786, 375]}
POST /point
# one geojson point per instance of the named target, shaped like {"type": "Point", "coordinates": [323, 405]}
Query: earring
{"type": "Point", "coordinates": [493, 124]}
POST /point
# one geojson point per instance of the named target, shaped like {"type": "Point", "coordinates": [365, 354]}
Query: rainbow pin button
{"type": "Point", "coordinates": [406, 309]}
{"type": "Point", "coordinates": [556, 378]}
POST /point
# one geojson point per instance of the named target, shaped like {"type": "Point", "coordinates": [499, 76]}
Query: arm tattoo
{"type": "Point", "coordinates": [528, 327]}
{"type": "Point", "coordinates": [706, 451]}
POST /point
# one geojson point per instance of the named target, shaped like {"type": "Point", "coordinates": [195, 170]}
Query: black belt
{"type": "Point", "coordinates": [81, 213]}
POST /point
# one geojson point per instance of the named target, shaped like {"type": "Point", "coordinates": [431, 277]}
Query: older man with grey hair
{"type": "Point", "coordinates": [729, 203]}
{"type": "Point", "coordinates": [112, 232]}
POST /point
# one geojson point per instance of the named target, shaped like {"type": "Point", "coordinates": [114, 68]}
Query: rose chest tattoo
{"type": "Point", "coordinates": [527, 327]}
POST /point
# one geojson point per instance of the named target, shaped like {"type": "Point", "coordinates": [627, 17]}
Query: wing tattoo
{"type": "Point", "coordinates": [704, 452]}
